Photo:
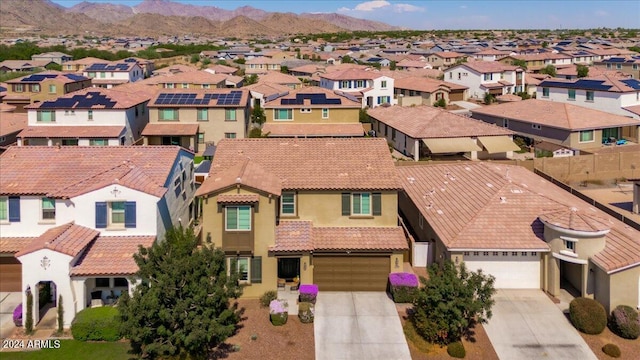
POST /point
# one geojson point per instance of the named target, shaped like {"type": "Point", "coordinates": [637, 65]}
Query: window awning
{"type": "Point", "coordinates": [498, 144]}
{"type": "Point", "coordinates": [451, 145]}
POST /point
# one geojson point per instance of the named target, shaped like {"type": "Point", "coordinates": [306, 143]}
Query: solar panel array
{"type": "Point", "coordinates": [108, 67]}
{"type": "Point", "coordinates": [231, 98]}
{"type": "Point", "coordinates": [2, 89]}
{"type": "Point", "coordinates": [130, 60]}
{"type": "Point", "coordinates": [75, 77]}
{"type": "Point", "coordinates": [316, 99]}
{"type": "Point", "coordinates": [580, 84]}
{"type": "Point", "coordinates": [85, 101]}
{"type": "Point", "coordinates": [632, 83]}
{"type": "Point", "coordinates": [38, 77]}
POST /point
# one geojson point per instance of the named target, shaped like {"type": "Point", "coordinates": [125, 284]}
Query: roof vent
{"type": "Point", "coordinates": [439, 212]}
{"type": "Point", "coordinates": [517, 191]}
{"type": "Point", "coordinates": [238, 180]}
{"type": "Point", "coordinates": [411, 179]}
{"type": "Point", "coordinates": [430, 206]}
{"type": "Point", "coordinates": [490, 185]}
{"type": "Point", "coordinates": [503, 200]}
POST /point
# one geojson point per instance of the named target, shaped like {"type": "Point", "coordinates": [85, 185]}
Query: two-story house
{"type": "Point", "coordinates": [92, 116]}
{"type": "Point", "coordinates": [193, 117]}
{"type": "Point", "coordinates": [370, 87]}
{"type": "Point", "coordinates": [261, 65]}
{"type": "Point", "coordinates": [42, 86]}
{"type": "Point", "coordinates": [629, 65]}
{"type": "Point", "coordinates": [483, 77]}
{"type": "Point", "coordinates": [191, 79]}
{"type": "Point", "coordinates": [11, 124]}
{"type": "Point", "coordinates": [320, 210]}
{"type": "Point", "coordinates": [313, 112]}
{"type": "Point", "coordinates": [415, 90]}
{"type": "Point", "coordinates": [108, 75]}
{"type": "Point", "coordinates": [78, 66]}
{"type": "Point", "coordinates": [444, 59]}
{"type": "Point", "coordinates": [535, 62]}
{"type": "Point", "coordinates": [75, 232]}
{"type": "Point", "coordinates": [55, 56]}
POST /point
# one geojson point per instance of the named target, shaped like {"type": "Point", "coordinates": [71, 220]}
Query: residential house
{"type": "Point", "coordinates": [261, 65]}
{"type": "Point", "coordinates": [323, 211]}
{"type": "Point", "coordinates": [261, 92]}
{"type": "Point", "coordinates": [482, 77]}
{"type": "Point", "coordinates": [22, 65]}
{"type": "Point", "coordinates": [276, 77]}
{"type": "Point", "coordinates": [537, 61]}
{"type": "Point", "coordinates": [77, 231]}
{"type": "Point", "coordinates": [56, 57]}
{"type": "Point", "coordinates": [629, 65]}
{"type": "Point", "coordinates": [490, 54]}
{"type": "Point", "coordinates": [425, 131]}
{"type": "Point", "coordinates": [108, 75]}
{"type": "Point", "coordinates": [11, 124]}
{"type": "Point", "coordinates": [78, 66]}
{"type": "Point", "coordinates": [413, 90]}
{"type": "Point", "coordinates": [42, 86]}
{"type": "Point", "coordinates": [313, 112]}
{"type": "Point", "coordinates": [412, 64]}
{"type": "Point", "coordinates": [580, 57]}
{"type": "Point", "coordinates": [370, 87]}
{"type": "Point", "coordinates": [444, 59]}
{"type": "Point", "coordinates": [572, 126]}
{"type": "Point", "coordinates": [192, 118]}
{"type": "Point", "coordinates": [195, 79]}
{"type": "Point", "coordinates": [608, 93]}
{"type": "Point", "coordinates": [92, 116]}
{"type": "Point", "coordinates": [522, 229]}
{"type": "Point", "coordinates": [221, 69]}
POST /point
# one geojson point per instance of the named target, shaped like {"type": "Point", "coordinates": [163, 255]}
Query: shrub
{"type": "Point", "coordinates": [587, 315]}
{"type": "Point", "coordinates": [267, 298]}
{"type": "Point", "coordinates": [306, 311]}
{"type": "Point", "coordinates": [403, 287]}
{"type": "Point", "coordinates": [101, 323]}
{"type": "Point", "coordinates": [28, 323]}
{"type": "Point", "coordinates": [308, 293]}
{"type": "Point", "coordinates": [624, 322]}
{"type": "Point", "coordinates": [456, 350]}
{"type": "Point", "coordinates": [441, 103]}
{"type": "Point", "coordinates": [612, 350]}
{"type": "Point", "coordinates": [60, 315]}
{"type": "Point", "coordinates": [278, 312]}
{"type": "Point", "coordinates": [17, 315]}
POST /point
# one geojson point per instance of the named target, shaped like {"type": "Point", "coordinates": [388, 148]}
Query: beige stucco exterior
{"type": "Point", "coordinates": [49, 89]}
{"type": "Point", "coordinates": [336, 115]}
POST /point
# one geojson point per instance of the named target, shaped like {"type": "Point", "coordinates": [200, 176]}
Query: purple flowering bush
{"type": "Point", "coordinates": [17, 315]}
{"type": "Point", "coordinates": [403, 287]}
{"type": "Point", "coordinates": [279, 312]}
{"type": "Point", "coordinates": [308, 293]}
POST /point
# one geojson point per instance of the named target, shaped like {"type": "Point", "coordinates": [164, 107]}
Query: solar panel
{"type": "Point", "coordinates": [580, 84]}
{"type": "Point", "coordinates": [38, 77]}
{"type": "Point", "coordinates": [87, 100]}
{"type": "Point", "coordinates": [75, 77]}
{"type": "Point", "coordinates": [632, 83]}
{"type": "Point", "coordinates": [2, 89]}
{"type": "Point", "coordinates": [130, 60]}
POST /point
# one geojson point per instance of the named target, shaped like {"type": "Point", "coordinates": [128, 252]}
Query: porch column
{"type": "Point", "coordinates": [416, 151]}
{"type": "Point", "coordinates": [49, 142]}
{"type": "Point", "coordinates": [584, 269]}
{"type": "Point", "coordinates": [145, 140]}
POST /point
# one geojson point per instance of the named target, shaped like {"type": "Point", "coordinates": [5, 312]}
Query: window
{"type": "Point", "coordinates": [393, 134]}
{"type": "Point", "coordinates": [35, 88]}
{"type": "Point", "coordinates": [344, 84]}
{"type": "Point", "coordinates": [476, 253]}
{"type": "Point", "coordinates": [98, 142]}
{"type": "Point", "coordinates": [170, 140]}
{"type": "Point", "coordinates": [91, 74]}
{"type": "Point", "coordinates": [505, 123]}
{"type": "Point", "coordinates": [116, 214]}
{"type": "Point", "coordinates": [102, 282]}
{"type": "Point", "coordinates": [360, 83]}
{"type": "Point", "coordinates": [4, 208]}
{"type": "Point", "coordinates": [18, 88]}
{"type": "Point", "coordinates": [571, 93]}
{"type": "Point", "coordinates": [618, 66]}
{"type": "Point", "coordinates": [177, 186]}
{"type": "Point", "coordinates": [70, 142]}
{"type": "Point", "coordinates": [168, 114]}
{"type": "Point", "coordinates": [459, 76]}
{"type": "Point", "coordinates": [282, 114]}
{"type": "Point", "coordinates": [48, 209]}
{"type": "Point", "coordinates": [495, 253]}
{"type": "Point", "coordinates": [102, 74]}
{"type": "Point", "coordinates": [120, 282]}
{"type": "Point", "coordinates": [52, 89]}
{"type": "Point", "coordinates": [635, 66]}
{"type": "Point", "coordinates": [185, 85]}
{"type": "Point", "coordinates": [545, 92]}
{"type": "Point", "coordinates": [586, 136]}
{"type": "Point", "coordinates": [229, 135]}
{"type": "Point", "coordinates": [249, 268]}
{"type": "Point", "coordinates": [238, 218]}
{"type": "Point", "coordinates": [488, 77]}
{"type": "Point", "coordinates": [288, 203]}
{"type": "Point", "coordinates": [383, 84]}
{"type": "Point", "coordinates": [534, 253]}
{"type": "Point", "coordinates": [590, 95]}
{"type": "Point", "coordinates": [450, 75]}
{"type": "Point", "coordinates": [524, 253]}
{"type": "Point", "coordinates": [325, 113]}
{"type": "Point", "coordinates": [466, 253]}
{"type": "Point", "coordinates": [570, 245]}
{"type": "Point", "coordinates": [504, 253]}
{"type": "Point", "coordinates": [514, 253]}
{"type": "Point", "coordinates": [361, 204]}
{"type": "Point", "coordinates": [203, 115]}
{"type": "Point", "coordinates": [305, 110]}
{"type": "Point", "coordinates": [90, 115]}
{"type": "Point", "coordinates": [205, 86]}
{"type": "Point", "coordinates": [169, 85]}
{"type": "Point", "coordinates": [383, 99]}
{"type": "Point", "coordinates": [485, 253]}
{"type": "Point", "coordinates": [230, 114]}
{"type": "Point", "coordinates": [200, 138]}
{"type": "Point", "coordinates": [608, 66]}
{"type": "Point", "coordinates": [536, 126]}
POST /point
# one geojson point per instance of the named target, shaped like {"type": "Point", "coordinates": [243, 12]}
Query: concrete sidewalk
{"type": "Point", "coordinates": [358, 325]}
{"type": "Point", "coordinates": [8, 302]}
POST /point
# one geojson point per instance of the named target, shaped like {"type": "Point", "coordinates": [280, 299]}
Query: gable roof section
{"type": "Point", "coordinates": [111, 255]}
{"type": "Point", "coordinates": [556, 115]}
{"type": "Point", "coordinates": [12, 123]}
{"type": "Point", "coordinates": [603, 82]}
{"type": "Point", "coordinates": [351, 74]}
{"type": "Point", "coordinates": [71, 131]}
{"type": "Point", "coordinates": [93, 98]}
{"type": "Point", "coordinates": [69, 239]}
{"type": "Point", "coordinates": [313, 97]}
{"type": "Point", "coordinates": [244, 172]}
{"type": "Point", "coordinates": [425, 84]}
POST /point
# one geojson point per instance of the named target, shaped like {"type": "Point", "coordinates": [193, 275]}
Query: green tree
{"type": "Point", "coordinates": [392, 65]}
{"type": "Point", "coordinates": [28, 322]}
{"type": "Point", "coordinates": [60, 315]}
{"type": "Point", "coordinates": [195, 58]}
{"type": "Point", "coordinates": [549, 70]}
{"type": "Point", "coordinates": [520, 63]}
{"type": "Point", "coordinates": [441, 103]}
{"type": "Point", "coordinates": [205, 62]}
{"type": "Point", "coordinates": [545, 44]}
{"type": "Point", "coordinates": [363, 116]}
{"type": "Point", "coordinates": [54, 66]}
{"type": "Point", "coordinates": [183, 305]}
{"type": "Point", "coordinates": [583, 71]}
{"type": "Point", "coordinates": [284, 69]}
{"type": "Point", "coordinates": [250, 79]}
{"type": "Point", "coordinates": [451, 302]}
{"type": "Point", "coordinates": [488, 98]}
{"type": "Point", "coordinates": [257, 115]}
{"type": "Point", "coordinates": [347, 59]}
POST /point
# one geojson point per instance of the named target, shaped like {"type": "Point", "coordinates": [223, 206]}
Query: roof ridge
{"type": "Point", "coordinates": [566, 112]}
{"type": "Point", "coordinates": [90, 178]}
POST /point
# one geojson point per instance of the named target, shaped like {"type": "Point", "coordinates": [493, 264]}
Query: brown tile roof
{"type": "Point", "coordinates": [293, 236]}
{"type": "Point", "coordinates": [11, 245]}
{"type": "Point", "coordinates": [312, 130]}
{"type": "Point", "coordinates": [244, 172]}
{"type": "Point", "coordinates": [329, 94]}
{"type": "Point", "coordinates": [173, 69]}
{"type": "Point", "coordinates": [488, 66]}
{"type": "Point", "coordinates": [556, 114]}
{"type": "Point", "coordinates": [448, 54]}
{"type": "Point", "coordinates": [413, 64]}
{"type": "Point", "coordinates": [425, 84]}
{"type": "Point", "coordinates": [572, 219]}
{"type": "Point", "coordinates": [421, 122]}
{"type": "Point", "coordinates": [621, 250]}
{"type": "Point", "coordinates": [122, 99]}
{"type": "Point", "coordinates": [508, 97]}
{"type": "Point", "coordinates": [325, 163]}
{"type": "Point", "coordinates": [70, 170]}
{"type": "Point", "coordinates": [276, 77]}
{"type": "Point", "coordinates": [11, 123]}
{"type": "Point", "coordinates": [222, 69]}
{"type": "Point", "coordinates": [269, 90]}
{"type": "Point", "coordinates": [112, 255]}
{"type": "Point", "coordinates": [57, 131]}
{"type": "Point", "coordinates": [188, 77]}
{"type": "Point", "coordinates": [351, 74]}
{"type": "Point", "coordinates": [238, 198]}
{"type": "Point", "coordinates": [158, 129]}
{"type": "Point", "coordinates": [69, 239]}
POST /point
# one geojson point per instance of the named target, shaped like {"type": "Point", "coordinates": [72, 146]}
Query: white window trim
{"type": "Point", "coordinates": [42, 219]}
{"type": "Point", "coordinates": [6, 201]}
{"type": "Point", "coordinates": [295, 203]}
{"type": "Point", "coordinates": [275, 111]}
{"type": "Point", "coordinates": [110, 224]}
{"type": "Point", "coordinates": [226, 214]}
{"type": "Point", "coordinates": [325, 113]}
{"type": "Point", "coordinates": [305, 111]}
{"type": "Point", "coordinates": [370, 204]}
{"type": "Point", "coordinates": [229, 259]}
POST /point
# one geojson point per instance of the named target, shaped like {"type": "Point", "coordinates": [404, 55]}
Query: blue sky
{"type": "Point", "coordinates": [499, 14]}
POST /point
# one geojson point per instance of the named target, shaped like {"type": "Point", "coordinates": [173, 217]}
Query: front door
{"type": "Point", "coordinates": [288, 268]}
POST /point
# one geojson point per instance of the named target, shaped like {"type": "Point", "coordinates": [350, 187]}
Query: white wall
{"type": "Point", "coordinates": [603, 100]}
{"type": "Point", "coordinates": [468, 78]}
{"type": "Point", "coordinates": [31, 223]}
{"type": "Point", "coordinates": [173, 210]}
{"type": "Point", "coordinates": [421, 254]}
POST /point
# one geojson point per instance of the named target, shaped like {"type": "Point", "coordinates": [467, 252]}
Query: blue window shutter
{"type": "Point", "coordinates": [130, 214]}
{"type": "Point", "coordinates": [14, 209]}
{"type": "Point", "coordinates": [101, 215]}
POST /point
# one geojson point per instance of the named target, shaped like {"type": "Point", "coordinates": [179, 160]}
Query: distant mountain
{"type": "Point", "coordinates": [350, 23]}
{"type": "Point", "coordinates": [108, 13]}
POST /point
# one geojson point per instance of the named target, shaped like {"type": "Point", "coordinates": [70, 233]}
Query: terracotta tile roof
{"type": "Point", "coordinates": [496, 85]}
{"type": "Point", "coordinates": [487, 66]}
{"type": "Point", "coordinates": [556, 114]}
{"type": "Point", "coordinates": [309, 69]}
{"type": "Point", "coordinates": [11, 123]}
{"type": "Point", "coordinates": [312, 130]}
{"type": "Point", "coordinates": [57, 131]}
{"type": "Point", "coordinates": [420, 122]}
{"type": "Point", "coordinates": [325, 163]}
{"type": "Point", "coordinates": [68, 239]}
{"type": "Point", "coordinates": [448, 54]}
{"type": "Point", "coordinates": [633, 109]}
{"type": "Point", "coordinates": [222, 69]}
{"type": "Point", "coordinates": [84, 61]}
{"type": "Point", "coordinates": [345, 102]}
{"type": "Point", "coordinates": [359, 238]}
{"type": "Point", "coordinates": [269, 90]}
{"type": "Point", "coordinates": [72, 169]}
{"type": "Point", "coordinates": [122, 99]}
{"type": "Point", "coordinates": [11, 245]}
{"type": "Point", "coordinates": [541, 56]}
{"type": "Point", "coordinates": [112, 255]}
{"type": "Point", "coordinates": [276, 77]}
{"type": "Point", "coordinates": [425, 84]}
{"type": "Point", "coordinates": [351, 74]}
{"type": "Point", "coordinates": [173, 69]}
{"type": "Point", "coordinates": [238, 198]}
{"type": "Point", "coordinates": [293, 236]}
{"type": "Point", "coordinates": [158, 129]}
{"type": "Point", "coordinates": [572, 219]}
{"type": "Point", "coordinates": [188, 77]}
{"type": "Point", "coordinates": [413, 64]}
{"type": "Point", "coordinates": [621, 250]}
{"type": "Point", "coordinates": [508, 97]}
{"type": "Point", "coordinates": [61, 77]}
{"type": "Point", "coordinates": [109, 81]}
{"type": "Point", "coordinates": [244, 172]}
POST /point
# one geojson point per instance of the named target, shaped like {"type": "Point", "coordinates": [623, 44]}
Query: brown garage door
{"type": "Point", "coordinates": [351, 273]}
{"type": "Point", "coordinates": [10, 274]}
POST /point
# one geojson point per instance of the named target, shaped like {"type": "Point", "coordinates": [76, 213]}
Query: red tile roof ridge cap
{"type": "Point", "coordinates": [93, 176]}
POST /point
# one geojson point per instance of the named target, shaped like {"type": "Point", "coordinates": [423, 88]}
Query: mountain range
{"type": "Point", "coordinates": [165, 17]}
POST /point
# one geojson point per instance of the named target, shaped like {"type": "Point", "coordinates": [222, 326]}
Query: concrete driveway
{"type": "Point", "coordinates": [526, 324]}
{"type": "Point", "coordinates": [8, 302]}
{"type": "Point", "coordinates": [358, 325]}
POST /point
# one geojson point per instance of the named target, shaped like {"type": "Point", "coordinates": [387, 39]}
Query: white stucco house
{"type": "Point", "coordinates": [370, 87]}
{"type": "Point", "coordinates": [72, 219]}
{"type": "Point", "coordinates": [483, 77]}
{"type": "Point", "coordinates": [92, 116]}
{"type": "Point", "coordinates": [108, 75]}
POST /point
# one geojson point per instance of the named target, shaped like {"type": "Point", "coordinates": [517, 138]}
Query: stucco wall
{"type": "Point", "coordinates": [591, 167]}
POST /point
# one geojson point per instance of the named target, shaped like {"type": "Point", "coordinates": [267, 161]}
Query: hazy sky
{"type": "Point", "coordinates": [499, 14]}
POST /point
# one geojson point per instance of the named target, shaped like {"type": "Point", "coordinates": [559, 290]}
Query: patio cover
{"type": "Point", "coordinates": [498, 144]}
{"type": "Point", "coordinates": [154, 129]}
{"type": "Point", "coordinates": [451, 145]}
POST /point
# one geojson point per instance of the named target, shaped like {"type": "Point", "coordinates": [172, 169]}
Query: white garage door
{"type": "Point", "coordinates": [513, 270]}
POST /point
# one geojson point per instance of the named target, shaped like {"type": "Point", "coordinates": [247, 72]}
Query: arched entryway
{"type": "Point", "coordinates": [45, 299]}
